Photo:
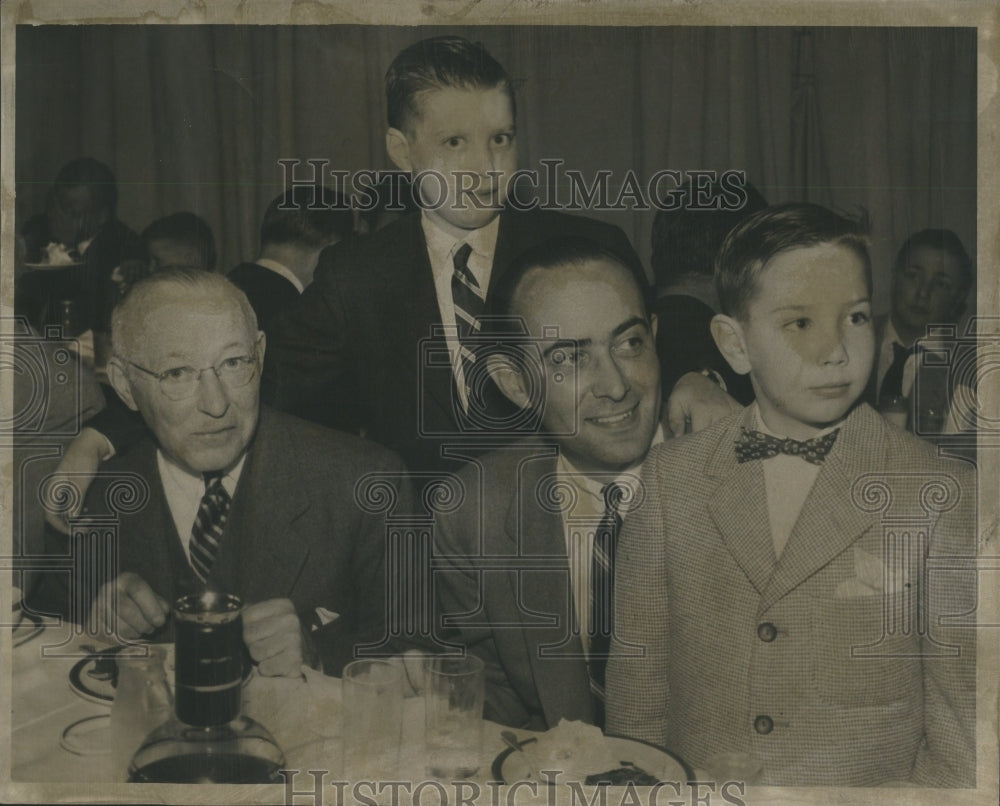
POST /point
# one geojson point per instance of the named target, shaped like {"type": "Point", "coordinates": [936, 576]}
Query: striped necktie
{"type": "Point", "coordinates": [468, 299]}
{"type": "Point", "coordinates": [208, 525]}
{"type": "Point", "coordinates": [602, 573]}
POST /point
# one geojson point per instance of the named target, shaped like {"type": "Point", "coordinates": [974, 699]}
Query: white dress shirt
{"type": "Point", "coordinates": [441, 248]}
{"type": "Point", "coordinates": [788, 480]}
{"type": "Point", "coordinates": [581, 520]}
{"type": "Point", "coordinates": [282, 270]}
{"type": "Point", "coordinates": [184, 492]}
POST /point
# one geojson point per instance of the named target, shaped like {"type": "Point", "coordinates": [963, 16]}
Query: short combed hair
{"type": "Point", "coordinates": [748, 248]}
{"type": "Point", "coordinates": [309, 215]}
{"type": "Point", "coordinates": [191, 279]}
{"type": "Point", "coordinates": [438, 63]}
{"type": "Point", "coordinates": [686, 240]}
{"type": "Point", "coordinates": [97, 177]}
{"type": "Point", "coordinates": [553, 254]}
{"type": "Point", "coordinates": [943, 240]}
{"type": "Point", "coordinates": [185, 228]}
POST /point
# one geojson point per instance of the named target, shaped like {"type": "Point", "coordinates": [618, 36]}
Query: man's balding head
{"type": "Point", "coordinates": [187, 356]}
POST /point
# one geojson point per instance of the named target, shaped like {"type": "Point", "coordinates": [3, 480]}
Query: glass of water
{"type": "Point", "coordinates": [453, 729]}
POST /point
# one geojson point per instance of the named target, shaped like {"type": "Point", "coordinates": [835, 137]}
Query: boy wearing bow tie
{"type": "Point", "coordinates": [787, 592]}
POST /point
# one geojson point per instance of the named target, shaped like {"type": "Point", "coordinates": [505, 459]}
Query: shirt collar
{"type": "Point", "coordinates": [282, 270]}
{"type": "Point", "coordinates": [195, 485]}
{"type": "Point", "coordinates": [594, 486]}
{"type": "Point", "coordinates": [441, 244]}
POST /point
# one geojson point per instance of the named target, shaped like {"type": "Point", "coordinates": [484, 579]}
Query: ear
{"type": "Point", "coordinates": [398, 148]}
{"type": "Point", "coordinates": [509, 377]}
{"type": "Point", "coordinates": [120, 382]}
{"type": "Point", "coordinates": [262, 348]}
{"type": "Point", "coordinates": [728, 335]}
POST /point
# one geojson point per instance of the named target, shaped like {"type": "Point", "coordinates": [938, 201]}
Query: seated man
{"type": "Point", "coordinates": [931, 278]}
{"type": "Point", "coordinates": [525, 580]}
{"type": "Point", "coordinates": [81, 223]}
{"type": "Point", "coordinates": [241, 499]}
{"type": "Point", "coordinates": [298, 224]}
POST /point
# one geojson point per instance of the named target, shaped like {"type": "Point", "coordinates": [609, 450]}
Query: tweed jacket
{"type": "Point", "coordinates": [849, 661]}
{"type": "Point", "coordinates": [503, 581]}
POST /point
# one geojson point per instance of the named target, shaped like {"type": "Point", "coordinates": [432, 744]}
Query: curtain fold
{"type": "Point", "coordinates": [197, 117]}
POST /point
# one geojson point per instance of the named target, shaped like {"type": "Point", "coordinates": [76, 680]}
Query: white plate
{"type": "Point", "coordinates": [510, 766]}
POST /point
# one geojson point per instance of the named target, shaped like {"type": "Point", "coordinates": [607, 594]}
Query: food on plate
{"type": "Point", "coordinates": [575, 749]}
{"type": "Point", "coordinates": [57, 254]}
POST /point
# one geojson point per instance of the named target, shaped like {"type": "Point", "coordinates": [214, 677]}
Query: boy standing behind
{"type": "Point", "coordinates": [765, 606]}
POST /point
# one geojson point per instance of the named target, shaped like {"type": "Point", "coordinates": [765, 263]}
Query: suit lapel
{"type": "Point", "coordinates": [537, 533]}
{"type": "Point", "coordinates": [830, 521]}
{"type": "Point", "coordinates": [262, 551]}
{"type": "Point", "coordinates": [739, 508]}
{"type": "Point", "coordinates": [410, 279]}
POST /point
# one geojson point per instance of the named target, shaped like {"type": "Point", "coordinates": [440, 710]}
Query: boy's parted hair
{"type": "Point", "coordinates": [438, 63]}
{"type": "Point", "coordinates": [310, 215]}
{"type": "Point", "coordinates": [186, 228]}
{"type": "Point", "coordinates": [943, 240]}
{"type": "Point", "coordinates": [751, 244]}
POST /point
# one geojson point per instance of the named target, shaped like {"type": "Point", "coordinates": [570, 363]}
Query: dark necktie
{"type": "Point", "coordinates": [468, 299]}
{"type": "Point", "coordinates": [892, 383]}
{"type": "Point", "coordinates": [602, 573]}
{"type": "Point", "coordinates": [757, 445]}
{"type": "Point", "coordinates": [208, 525]}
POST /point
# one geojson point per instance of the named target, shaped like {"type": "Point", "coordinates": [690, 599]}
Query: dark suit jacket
{"type": "Point", "coordinates": [858, 645]}
{"type": "Point", "coordinates": [354, 351]}
{"type": "Point", "coordinates": [933, 391]}
{"type": "Point", "coordinates": [684, 344]}
{"type": "Point", "coordinates": [294, 530]}
{"type": "Point", "coordinates": [502, 579]}
{"type": "Point", "coordinates": [90, 284]}
{"type": "Point", "coordinates": [267, 291]}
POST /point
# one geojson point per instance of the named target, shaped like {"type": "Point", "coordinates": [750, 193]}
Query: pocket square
{"type": "Point", "coordinates": [324, 617]}
{"type": "Point", "coordinates": [871, 577]}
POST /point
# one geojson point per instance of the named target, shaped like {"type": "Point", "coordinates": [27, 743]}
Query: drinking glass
{"type": "Point", "coordinates": [453, 728]}
{"type": "Point", "coordinates": [373, 711]}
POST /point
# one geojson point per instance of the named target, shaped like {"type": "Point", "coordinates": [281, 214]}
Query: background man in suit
{"type": "Point", "coordinates": [81, 217]}
{"type": "Point", "coordinates": [528, 582]}
{"type": "Point", "coordinates": [297, 225]}
{"type": "Point", "coordinates": [931, 278]}
{"type": "Point", "coordinates": [254, 503]}
{"type": "Point", "coordinates": [358, 350]}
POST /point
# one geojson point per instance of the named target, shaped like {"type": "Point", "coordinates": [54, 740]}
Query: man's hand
{"type": "Point", "coordinates": [272, 633]}
{"type": "Point", "coordinates": [127, 607]}
{"type": "Point", "coordinates": [695, 403]}
{"type": "Point", "coordinates": [69, 484]}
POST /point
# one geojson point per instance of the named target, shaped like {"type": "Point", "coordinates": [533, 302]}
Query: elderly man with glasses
{"type": "Point", "coordinates": [230, 496]}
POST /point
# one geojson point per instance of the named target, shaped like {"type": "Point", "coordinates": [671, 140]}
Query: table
{"type": "Point", "coordinates": [303, 715]}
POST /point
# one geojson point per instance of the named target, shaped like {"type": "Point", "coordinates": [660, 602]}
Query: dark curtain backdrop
{"type": "Point", "coordinates": [196, 118]}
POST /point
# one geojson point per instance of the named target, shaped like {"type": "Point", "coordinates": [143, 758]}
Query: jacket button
{"type": "Point", "coordinates": [763, 725]}
{"type": "Point", "coordinates": [767, 632]}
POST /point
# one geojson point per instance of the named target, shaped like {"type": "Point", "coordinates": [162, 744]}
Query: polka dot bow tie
{"type": "Point", "coordinates": [756, 445]}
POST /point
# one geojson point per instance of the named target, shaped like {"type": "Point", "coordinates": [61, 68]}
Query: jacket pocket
{"type": "Point", "coordinates": [865, 649]}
